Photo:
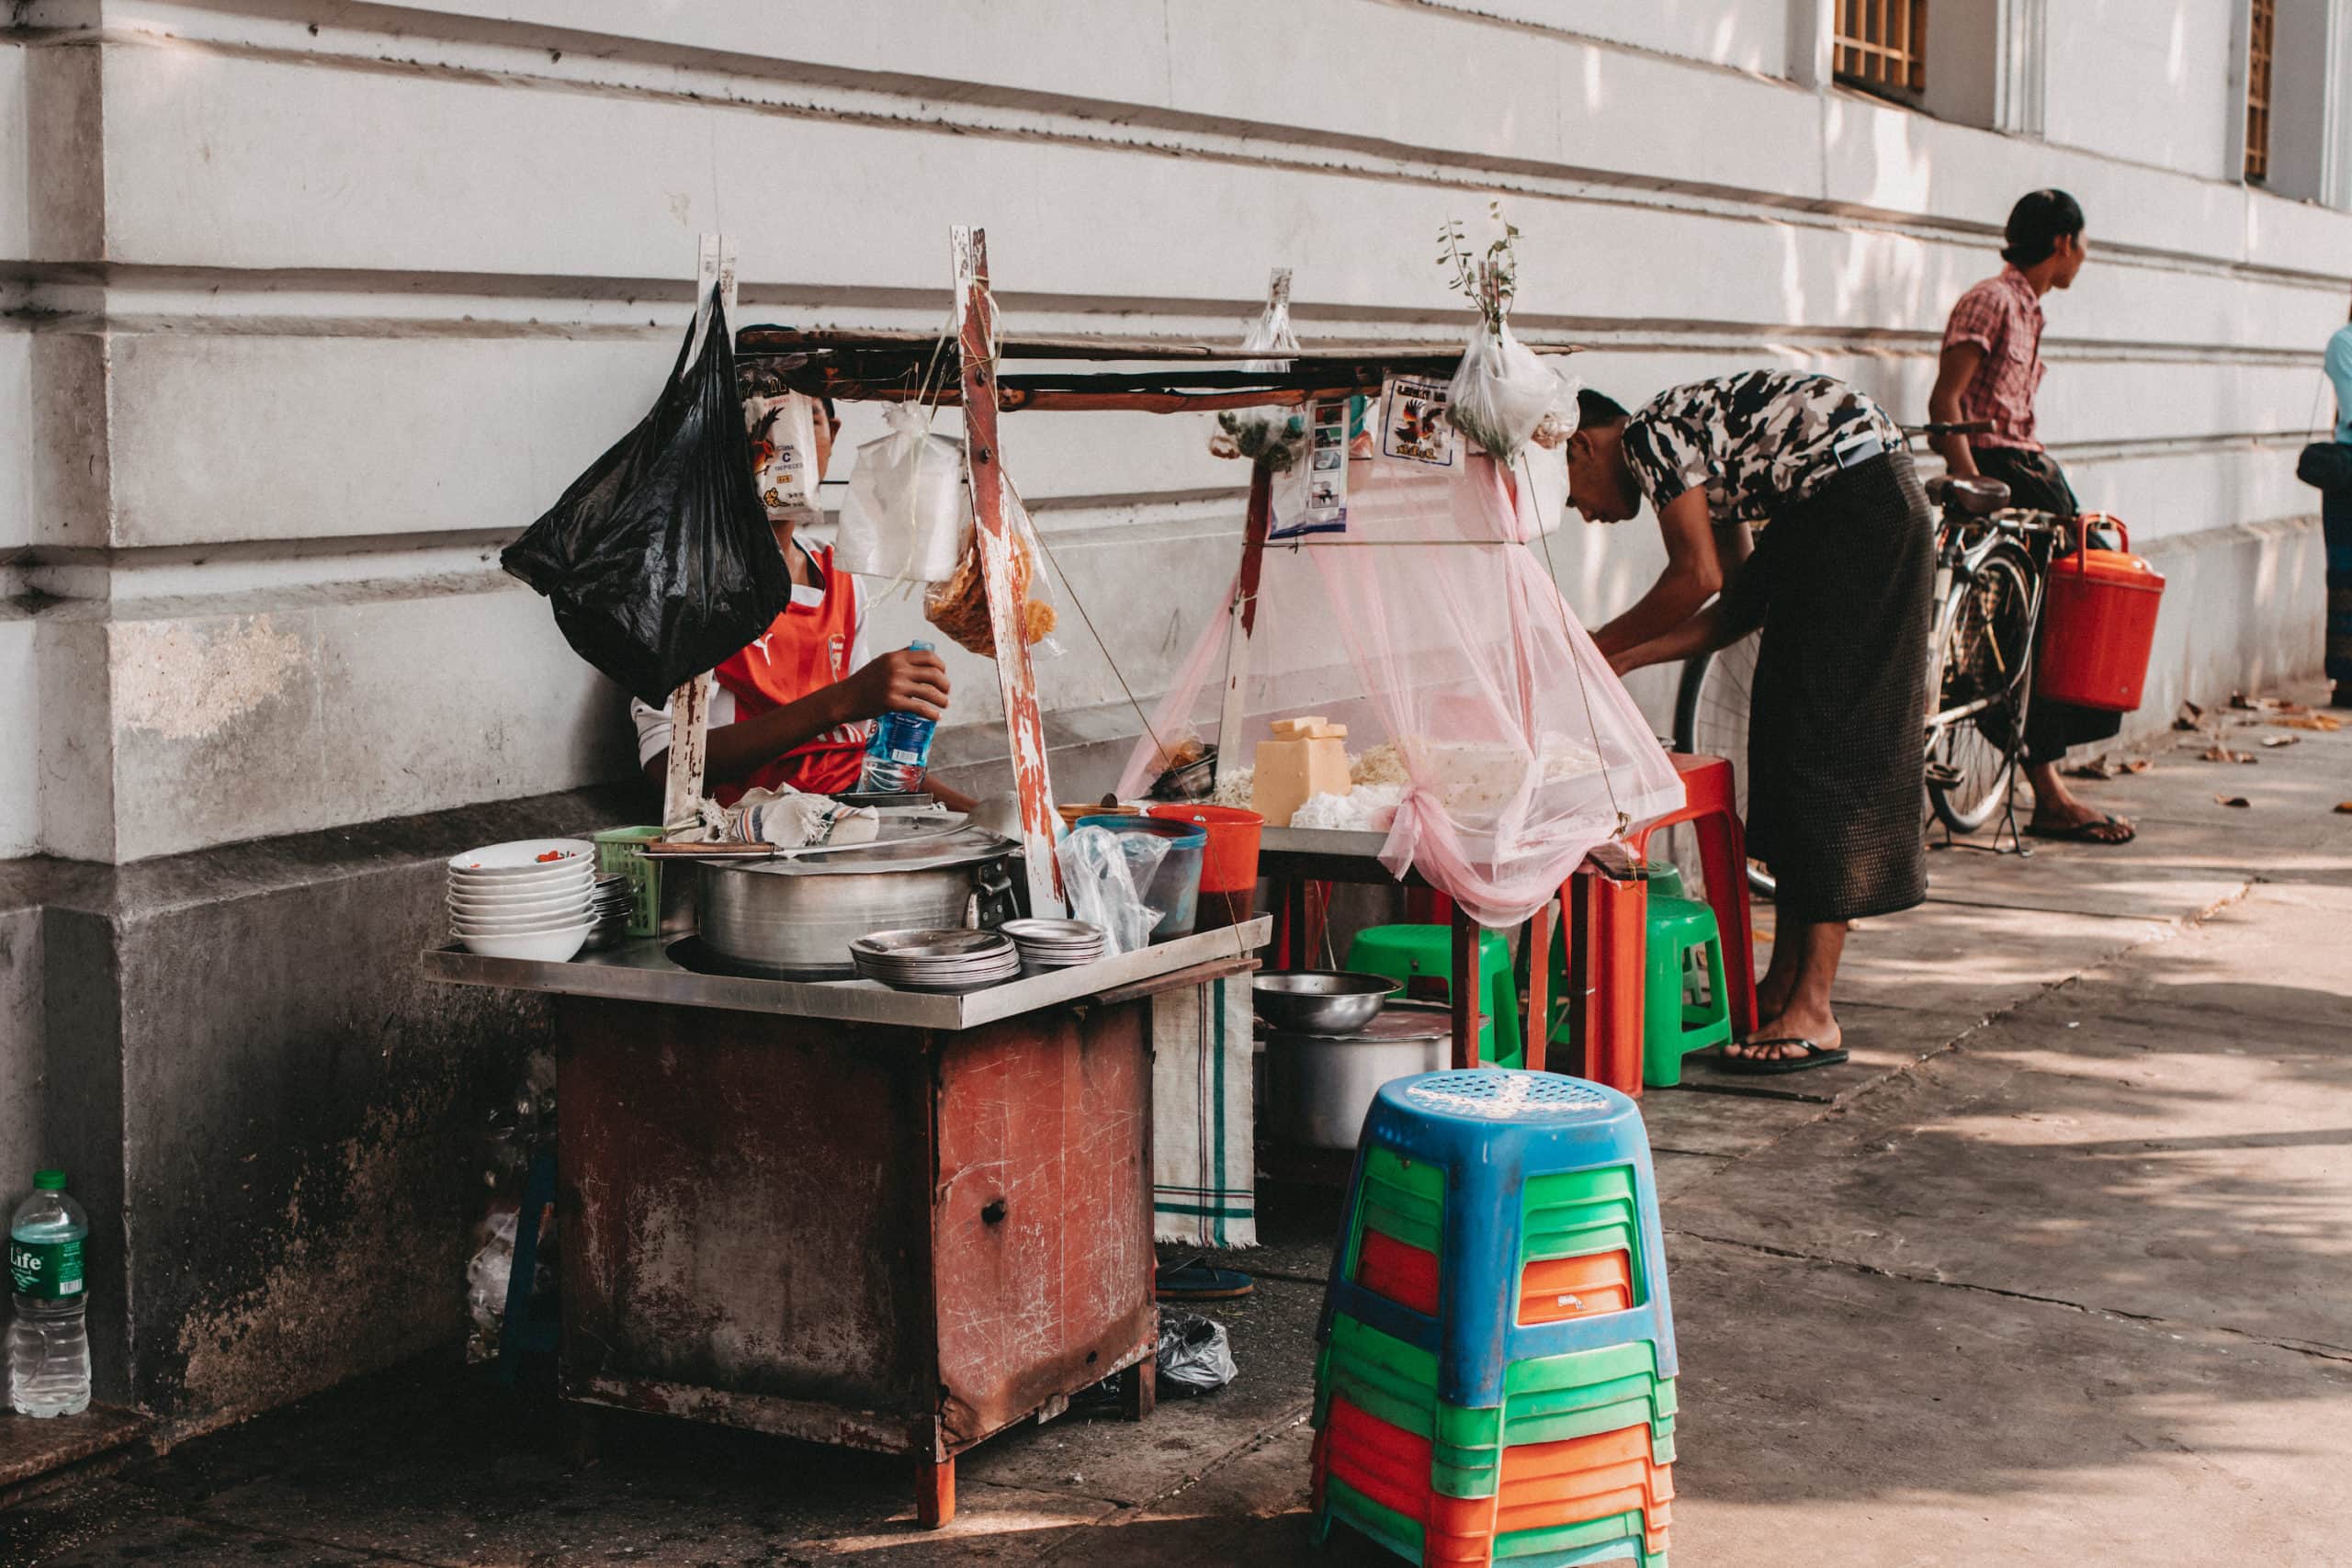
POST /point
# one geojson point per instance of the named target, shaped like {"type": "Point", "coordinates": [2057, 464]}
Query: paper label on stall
{"type": "Point", "coordinates": [1413, 426]}
{"type": "Point", "coordinates": [1321, 505]}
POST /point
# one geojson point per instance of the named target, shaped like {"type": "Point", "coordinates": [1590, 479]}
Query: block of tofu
{"type": "Point", "coordinates": [1290, 770]}
{"type": "Point", "coordinates": [1310, 729]}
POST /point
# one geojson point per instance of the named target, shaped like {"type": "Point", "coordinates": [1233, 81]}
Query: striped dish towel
{"type": "Point", "coordinates": [1203, 1161]}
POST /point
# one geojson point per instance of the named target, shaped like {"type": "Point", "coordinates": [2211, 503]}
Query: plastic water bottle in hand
{"type": "Point", "coordinates": [899, 753]}
{"type": "Point", "coordinates": [48, 1350]}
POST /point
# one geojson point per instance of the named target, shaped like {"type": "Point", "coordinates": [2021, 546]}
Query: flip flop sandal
{"type": "Point", "coordinates": [1752, 1066]}
{"type": "Point", "coordinates": [1196, 1280]}
{"type": "Point", "coordinates": [2087, 832]}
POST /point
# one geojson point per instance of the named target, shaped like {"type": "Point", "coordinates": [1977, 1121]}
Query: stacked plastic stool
{"type": "Point", "coordinates": [1495, 1380]}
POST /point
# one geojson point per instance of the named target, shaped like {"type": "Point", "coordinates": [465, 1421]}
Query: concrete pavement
{"type": "Point", "coordinates": [2055, 1271]}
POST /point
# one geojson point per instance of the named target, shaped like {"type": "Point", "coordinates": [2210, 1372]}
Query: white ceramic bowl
{"type": "Point", "coordinates": [504, 881]}
{"type": "Point", "coordinates": [569, 898]}
{"type": "Point", "coordinates": [520, 857]}
{"type": "Point", "coordinates": [546, 947]}
{"type": "Point", "coordinates": [469, 925]}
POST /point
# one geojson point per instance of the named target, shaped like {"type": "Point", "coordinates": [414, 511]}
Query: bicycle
{"type": "Point", "coordinates": [1991, 561]}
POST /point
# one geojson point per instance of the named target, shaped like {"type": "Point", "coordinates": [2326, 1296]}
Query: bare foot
{"type": "Point", "coordinates": [2077, 820]}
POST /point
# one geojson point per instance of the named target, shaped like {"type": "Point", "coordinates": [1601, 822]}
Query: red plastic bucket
{"type": "Point", "coordinates": [1231, 863]}
{"type": "Point", "coordinates": [2098, 625]}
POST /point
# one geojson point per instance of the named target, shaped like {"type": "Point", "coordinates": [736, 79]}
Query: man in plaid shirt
{"type": "Point", "coordinates": [1991, 368]}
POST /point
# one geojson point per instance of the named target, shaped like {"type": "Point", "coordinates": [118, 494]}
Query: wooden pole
{"type": "Point", "coordinates": [690, 703]}
{"type": "Point", "coordinates": [994, 510]}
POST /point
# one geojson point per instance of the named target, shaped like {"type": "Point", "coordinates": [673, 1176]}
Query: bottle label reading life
{"type": "Point", "coordinates": [47, 1271]}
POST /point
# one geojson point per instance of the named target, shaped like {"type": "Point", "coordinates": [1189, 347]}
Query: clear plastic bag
{"type": "Point", "coordinates": [1104, 875]}
{"type": "Point", "coordinates": [958, 606]}
{"type": "Point", "coordinates": [1194, 1354]}
{"type": "Point", "coordinates": [908, 507]}
{"type": "Point", "coordinates": [1502, 389]}
{"type": "Point", "coordinates": [1273, 437]}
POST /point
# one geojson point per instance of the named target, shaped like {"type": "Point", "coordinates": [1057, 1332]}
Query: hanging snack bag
{"type": "Point", "coordinates": [1413, 426]}
{"type": "Point", "coordinates": [784, 454]}
{"type": "Point", "coordinates": [959, 605]}
{"type": "Point", "coordinates": [908, 510]}
{"type": "Point", "coordinates": [1312, 497]}
{"type": "Point", "coordinates": [1502, 390]}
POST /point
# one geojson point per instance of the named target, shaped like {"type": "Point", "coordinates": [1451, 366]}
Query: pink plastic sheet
{"type": "Point", "coordinates": [1432, 624]}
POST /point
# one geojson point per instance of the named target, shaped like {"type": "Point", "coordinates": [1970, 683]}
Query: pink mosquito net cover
{"type": "Point", "coordinates": [1510, 750]}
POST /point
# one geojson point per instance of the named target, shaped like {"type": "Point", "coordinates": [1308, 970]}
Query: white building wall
{"type": "Point", "coordinates": [303, 323]}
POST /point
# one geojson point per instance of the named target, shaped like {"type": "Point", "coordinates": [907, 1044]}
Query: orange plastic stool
{"type": "Point", "coordinates": [1607, 904]}
{"type": "Point", "coordinates": [1710, 806]}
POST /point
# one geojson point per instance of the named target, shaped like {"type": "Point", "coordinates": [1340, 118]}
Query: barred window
{"type": "Point", "coordinates": [2261, 36]}
{"type": "Point", "coordinates": [1882, 45]}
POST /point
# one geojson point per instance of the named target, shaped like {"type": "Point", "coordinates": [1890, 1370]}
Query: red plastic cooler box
{"type": "Point", "coordinates": [2098, 623]}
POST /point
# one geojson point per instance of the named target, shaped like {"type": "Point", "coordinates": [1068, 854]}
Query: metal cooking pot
{"type": "Point", "coordinates": [797, 917]}
{"type": "Point", "coordinates": [1318, 1087]}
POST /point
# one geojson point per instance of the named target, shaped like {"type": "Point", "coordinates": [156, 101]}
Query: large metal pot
{"type": "Point", "coordinates": [1317, 1088]}
{"type": "Point", "coordinates": [797, 917]}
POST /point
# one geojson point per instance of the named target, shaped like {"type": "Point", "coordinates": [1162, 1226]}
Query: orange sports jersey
{"type": "Point", "coordinates": [804, 649]}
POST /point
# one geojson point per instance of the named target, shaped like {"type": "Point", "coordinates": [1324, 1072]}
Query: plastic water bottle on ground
{"type": "Point", "coordinates": [899, 753]}
{"type": "Point", "coordinates": [48, 1350]}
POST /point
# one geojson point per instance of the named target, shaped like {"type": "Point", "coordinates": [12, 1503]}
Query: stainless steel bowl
{"type": "Point", "coordinates": [1321, 1001]}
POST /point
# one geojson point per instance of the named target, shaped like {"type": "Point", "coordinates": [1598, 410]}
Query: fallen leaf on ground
{"type": "Point", "coordinates": [2189, 716]}
{"type": "Point", "coordinates": [2100, 767]}
{"type": "Point", "coordinates": [2345, 806]}
{"type": "Point", "coordinates": [2282, 740]}
{"type": "Point", "coordinates": [2327, 723]}
{"type": "Point", "coordinates": [2218, 752]}
{"type": "Point", "coordinates": [2231, 800]}
{"type": "Point", "coordinates": [2264, 705]}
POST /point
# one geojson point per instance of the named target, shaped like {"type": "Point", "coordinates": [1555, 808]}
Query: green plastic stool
{"type": "Point", "coordinates": [1405, 954]}
{"type": "Point", "coordinates": [1666, 882]}
{"type": "Point", "coordinates": [1672, 1025]}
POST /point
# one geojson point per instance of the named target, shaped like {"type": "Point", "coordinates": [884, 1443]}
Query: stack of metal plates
{"type": "Point", "coordinates": [610, 907]}
{"type": "Point", "coordinates": [1056, 944]}
{"type": "Point", "coordinates": [943, 962]}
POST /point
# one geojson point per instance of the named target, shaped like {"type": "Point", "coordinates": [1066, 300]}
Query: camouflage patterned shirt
{"type": "Point", "coordinates": [1756, 442]}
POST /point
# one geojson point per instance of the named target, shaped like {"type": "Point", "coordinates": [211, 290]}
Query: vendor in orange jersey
{"type": "Point", "coordinates": [794, 709]}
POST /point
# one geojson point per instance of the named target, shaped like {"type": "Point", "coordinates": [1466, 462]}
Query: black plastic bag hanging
{"type": "Point", "coordinates": [659, 561]}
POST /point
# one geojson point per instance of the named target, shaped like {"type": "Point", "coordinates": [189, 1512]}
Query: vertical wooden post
{"type": "Point", "coordinates": [690, 703]}
{"type": "Point", "coordinates": [1538, 989]}
{"type": "Point", "coordinates": [1468, 950]}
{"type": "Point", "coordinates": [992, 501]}
{"type": "Point", "coordinates": [1258, 523]}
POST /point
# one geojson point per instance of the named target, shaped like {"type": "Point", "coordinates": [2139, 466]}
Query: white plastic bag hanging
{"type": "Point", "coordinates": [907, 508]}
{"type": "Point", "coordinates": [784, 454]}
{"type": "Point", "coordinates": [1502, 389]}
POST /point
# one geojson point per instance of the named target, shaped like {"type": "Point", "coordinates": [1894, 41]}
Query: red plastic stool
{"type": "Point", "coordinates": [1607, 905]}
{"type": "Point", "coordinates": [1710, 805]}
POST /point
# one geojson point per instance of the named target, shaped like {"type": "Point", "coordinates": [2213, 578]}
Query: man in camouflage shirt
{"type": "Point", "coordinates": [1839, 581]}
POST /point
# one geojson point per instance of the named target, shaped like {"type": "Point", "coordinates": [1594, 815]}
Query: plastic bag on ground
{"type": "Point", "coordinates": [659, 561]}
{"type": "Point", "coordinates": [1502, 389]}
{"type": "Point", "coordinates": [907, 508]}
{"type": "Point", "coordinates": [1194, 1356]}
{"type": "Point", "coordinates": [1104, 875]}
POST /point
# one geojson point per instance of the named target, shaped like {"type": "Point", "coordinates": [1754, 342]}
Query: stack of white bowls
{"type": "Point", "coordinates": [943, 962]}
{"type": "Point", "coordinates": [532, 898]}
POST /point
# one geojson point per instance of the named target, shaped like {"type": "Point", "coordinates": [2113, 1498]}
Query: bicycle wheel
{"type": "Point", "coordinates": [1711, 719]}
{"type": "Point", "coordinates": [1984, 630]}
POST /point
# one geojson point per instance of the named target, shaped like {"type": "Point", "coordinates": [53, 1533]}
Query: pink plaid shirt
{"type": "Point", "coordinates": [2002, 316]}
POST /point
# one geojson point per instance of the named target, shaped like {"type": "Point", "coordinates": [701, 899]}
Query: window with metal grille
{"type": "Point", "coordinates": [1882, 45]}
{"type": "Point", "coordinates": [2262, 29]}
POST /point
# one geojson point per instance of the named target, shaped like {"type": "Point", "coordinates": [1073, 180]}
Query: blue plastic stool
{"type": "Point", "coordinates": [1493, 1130]}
